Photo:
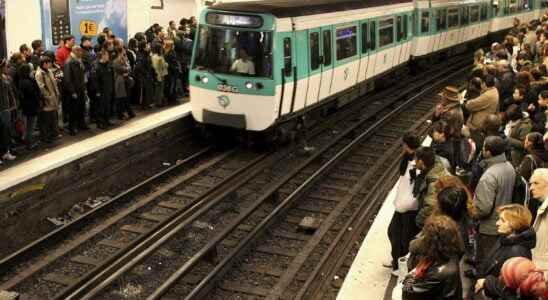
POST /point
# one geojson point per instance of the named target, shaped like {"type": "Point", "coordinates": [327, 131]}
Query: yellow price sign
{"type": "Point", "coordinates": [88, 27]}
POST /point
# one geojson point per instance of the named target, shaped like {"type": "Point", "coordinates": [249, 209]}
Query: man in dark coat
{"type": "Point", "coordinates": [75, 89]}
{"type": "Point", "coordinates": [104, 86]}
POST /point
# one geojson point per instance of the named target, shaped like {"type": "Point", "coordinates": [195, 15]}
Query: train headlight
{"type": "Point", "coordinates": [249, 85]}
{"type": "Point", "coordinates": [205, 80]}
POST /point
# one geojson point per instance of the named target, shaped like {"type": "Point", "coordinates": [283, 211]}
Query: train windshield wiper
{"type": "Point", "coordinates": [212, 73]}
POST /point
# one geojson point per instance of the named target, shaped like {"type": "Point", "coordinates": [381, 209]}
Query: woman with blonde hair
{"type": "Point", "coordinates": [516, 239]}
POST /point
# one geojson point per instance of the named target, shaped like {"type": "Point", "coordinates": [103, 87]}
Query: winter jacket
{"type": "Point", "coordinates": [539, 119]}
{"type": "Point", "coordinates": [514, 245]}
{"type": "Point", "coordinates": [121, 72]}
{"type": "Point", "coordinates": [8, 99]}
{"type": "Point", "coordinates": [74, 81]}
{"type": "Point", "coordinates": [516, 137]}
{"type": "Point", "coordinates": [441, 282]}
{"type": "Point", "coordinates": [424, 191]}
{"type": "Point", "coordinates": [531, 161]}
{"type": "Point", "coordinates": [446, 151]}
{"type": "Point", "coordinates": [540, 252]}
{"type": "Point", "coordinates": [482, 106]}
{"type": "Point", "coordinates": [143, 67]}
{"type": "Point", "coordinates": [48, 87]}
{"type": "Point", "coordinates": [494, 189]}
{"type": "Point", "coordinates": [30, 96]}
{"type": "Point", "coordinates": [104, 80]}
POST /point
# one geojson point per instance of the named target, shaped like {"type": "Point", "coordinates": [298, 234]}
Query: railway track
{"type": "Point", "coordinates": [195, 220]}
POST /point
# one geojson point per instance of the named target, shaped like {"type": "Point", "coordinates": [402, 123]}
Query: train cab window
{"type": "Point", "coordinates": [399, 30]}
{"type": "Point", "coordinates": [365, 38]}
{"type": "Point", "coordinates": [288, 60]}
{"type": "Point", "coordinates": [544, 3]}
{"type": "Point", "coordinates": [474, 14]}
{"type": "Point", "coordinates": [425, 22]}
{"type": "Point", "coordinates": [327, 47]}
{"type": "Point", "coordinates": [314, 51]}
{"type": "Point", "coordinates": [386, 32]}
{"type": "Point", "coordinates": [372, 35]}
{"type": "Point", "coordinates": [442, 19]}
{"type": "Point", "coordinates": [346, 42]}
{"type": "Point", "coordinates": [453, 17]}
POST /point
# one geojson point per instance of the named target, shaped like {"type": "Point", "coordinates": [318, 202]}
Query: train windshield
{"type": "Point", "coordinates": [234, 51]}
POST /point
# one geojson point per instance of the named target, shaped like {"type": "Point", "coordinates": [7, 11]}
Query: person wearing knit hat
{"type": "Point", "coordinates": [520, 279]}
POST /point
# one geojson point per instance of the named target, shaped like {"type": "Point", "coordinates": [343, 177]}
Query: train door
{"type": "Point", "coordinates": [314, 66]}
{"type": "Point", "coordinates": [327, 62]}
{"type": "Point", "coordinates": [288, 73]}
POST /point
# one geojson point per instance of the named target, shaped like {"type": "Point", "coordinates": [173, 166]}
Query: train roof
{"type": "Point", "coordinates": [297, 8]}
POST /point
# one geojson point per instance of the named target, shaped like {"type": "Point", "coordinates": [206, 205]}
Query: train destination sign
{"type": "Point", "coordinates": [234, 20]}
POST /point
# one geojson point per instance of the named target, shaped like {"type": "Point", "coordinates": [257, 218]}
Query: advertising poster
{"type": "Point", "coordinates": [3, 41]}
{"type": "Point", "coordinates": [82, 17]}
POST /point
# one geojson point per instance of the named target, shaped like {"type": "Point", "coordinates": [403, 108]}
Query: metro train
{"type": "Point", "coordinates": [260, 66]}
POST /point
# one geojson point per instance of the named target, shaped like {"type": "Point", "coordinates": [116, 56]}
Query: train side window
{"type": "Point", "coordinates": [365, 38]}
{"type": "Point", "coordinates": [314, 51]}
{"type": "Point", "coordinates": [399, 28]}
{"type": "Point", "coordinates": [425, 22]}
{"type": "Point", "coordinates": [346, 42]}
{"type": "Point", "coordinates": [453, 16]}
{"type": "Point", "coordinates": [386, 32]}
{"type": "Point", "coordinates": [405, 25]}
{"type": "Point", "coordinates": [465, 16]}
{"type": "Point", "coordinates": [442, 19]}
{"type": "Point", "coordinates": [288, 60]}
{"type": "Point", "coordinates": [483, 14]}
{"type": "Point", "coordinates": [474, 14]}
{"type": "Point", "coordinates": [373, 35]}
{"type": "Point", "coordinates": [327, 47]}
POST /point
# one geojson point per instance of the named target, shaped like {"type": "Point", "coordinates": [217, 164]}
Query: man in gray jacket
{"type": "Point", "coordinates": [494, 189]}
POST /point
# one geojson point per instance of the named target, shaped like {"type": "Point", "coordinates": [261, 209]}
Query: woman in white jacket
{"type": "Point", "coordinates": [402, 228]}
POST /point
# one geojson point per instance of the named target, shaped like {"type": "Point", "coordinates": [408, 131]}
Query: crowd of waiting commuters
{"type": "Point", "coordinates": [66, 90]}
{"type": "Point", "coordinates": [471, 218]}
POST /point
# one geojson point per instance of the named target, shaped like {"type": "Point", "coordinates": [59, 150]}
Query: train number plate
{"type": "Point", "coordinates": [227, 88]}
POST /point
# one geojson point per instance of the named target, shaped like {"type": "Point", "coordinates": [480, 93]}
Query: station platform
{"type": "Point", "coordinates": [367, 272]}
{"type": "Point", "coordinates": [74, 149]}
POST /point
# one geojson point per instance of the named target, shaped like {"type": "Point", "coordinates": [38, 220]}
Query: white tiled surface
{"type": "Point", "coordinates": [367, 278]}
{"type": "Point", "coordinates": [62, 156]}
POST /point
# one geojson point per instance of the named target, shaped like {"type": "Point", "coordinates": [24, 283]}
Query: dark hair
{"type": "Point", "coordinates": [139, 36]}
{"type": "Point", "coordinates": [495, 145]}
{"type": "Point", "coordinates": [537, 74]}
{"type": "Point", "coordinates": [157, 48]}
{"type": "Point", "coordinates": [452, 202]}
{"type": "Point", "coordinates": [427, 156]}
{"type": "Point", "coordinates": [502, 54]}
{"type": "Point", "coordinates": [490, 80]}
{"type": "Point", "coordinates": [513, 112]}
{"type": "Point", "coordinates": [85, 38]}
{"type": "Point", "coordinates": [537, 140]}
{"type": "Point", "coordinates": [475, 83]}
{"type": "Point", "coordinates": [23, 48]}
{"type": "Point", "coordinates": [24, 71]}
{"type": "Point", "coordinates": [101, 38]}
{"type": "Point", "coordinates": [132, 43]}
{"type": "Point", "coordinates": [491, 124]}
{"type": "Point", "coordinates": [49, 54]}
{"type": "Point", "coordinates": [44, 60]}
{"type": "Point", "coordinates": [67, 38]}
{"type": "Point", "coordinates": [142, 45]}
{"type": "Point", "coordinates": [171, 22]}
{"type": "Point", "coordinates": [36, 44]}
{"type": "Point", "coordinates": [412, 140]}
{"type": "Point", "coordinates": [441, 126]}
{"type": "Point", "coordinates": [544, 94]}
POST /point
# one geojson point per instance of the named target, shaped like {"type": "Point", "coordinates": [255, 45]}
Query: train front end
{"type": "Point", "coordinates": [231, 78]}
